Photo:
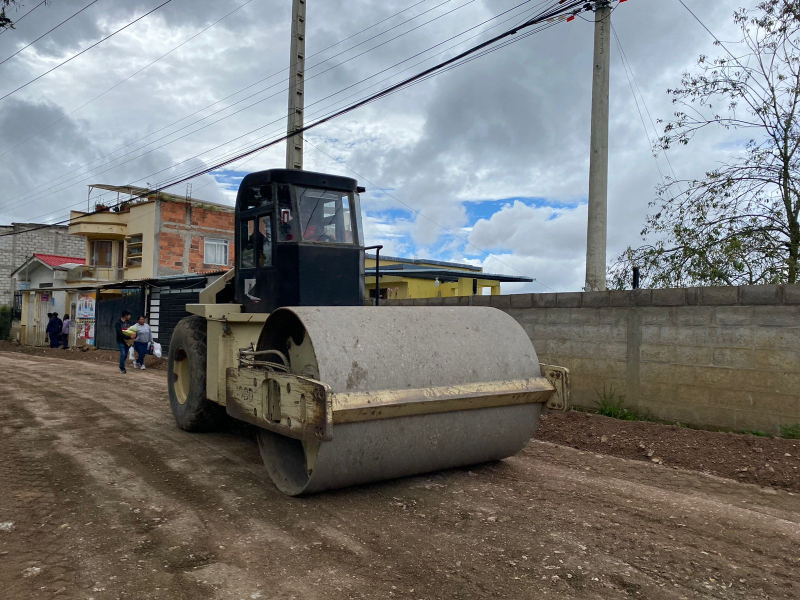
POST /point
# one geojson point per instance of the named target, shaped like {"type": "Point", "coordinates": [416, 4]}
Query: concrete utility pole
{"type": "Point", "coordinates": [598, 159]}
{"type": "Point", "coordinates": [297, 58]}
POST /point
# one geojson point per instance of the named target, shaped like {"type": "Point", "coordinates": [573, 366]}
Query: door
{"type": "Point", "coordinates": [168, 307]}
{"type": "Point", "coordinates": [256, 276]}
{"type": "Point", "coordinates": [108, 313]}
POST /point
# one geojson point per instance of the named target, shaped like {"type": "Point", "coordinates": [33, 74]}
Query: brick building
{"type": "Point", "coordinates": [16, 249]}
{"type": "Point", "coordinates": [154, 236]}
{"type": "Point", "coordinates": [194, 236]}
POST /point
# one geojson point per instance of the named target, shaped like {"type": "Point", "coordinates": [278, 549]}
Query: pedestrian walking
{"type": "Point", "coordinates": [65, 332]}
{"type": "Point", "coordinates": [144, 337]}
{"type": "Point", "coordinates": [122, 340]}
{"type": "Point", "coordinates": [54, 326]}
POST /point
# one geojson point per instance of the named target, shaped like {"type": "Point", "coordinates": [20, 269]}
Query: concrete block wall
{"type": "Point", "coordinates": [726, 357]}
{"type": "Point", "coordinates": [16, 249]}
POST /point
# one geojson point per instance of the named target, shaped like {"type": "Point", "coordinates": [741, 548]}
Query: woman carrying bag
{"type": "Point", "coordinates": [142, 341]}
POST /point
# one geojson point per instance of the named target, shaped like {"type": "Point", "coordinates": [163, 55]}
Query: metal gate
{"type": "Point", "coordinates": [109, 311]}
{"type": "Point", "coordinates": [168, 306]}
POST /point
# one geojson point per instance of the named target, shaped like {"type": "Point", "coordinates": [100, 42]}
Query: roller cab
{"type": "Point", "coordinates": [341, 393]}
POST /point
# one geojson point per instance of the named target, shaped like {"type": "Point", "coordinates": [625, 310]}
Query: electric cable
{"type": "Point", "coordinates": [22, 17]}
{"type": "Point", "coordinates": [116, 85]}
{"type": "Point", "coordinates": [280, 118]}
{"type": "Point", "coordinates": [48, 32]}
{"type": "Point", "coordinates": [206, 107]}
{"type": "Point", "coordinates": [628, 68]}
{"type": "Point", "coordinates": [636, 101]}
{"type": "Point", "coordinates": [249, 106]}
{"type": "Point", "coordinates": [73, 57]}
{"type": "Point", "coordinates": [235, 93]}
{"type": "Point", "coordinates": [544, 15]}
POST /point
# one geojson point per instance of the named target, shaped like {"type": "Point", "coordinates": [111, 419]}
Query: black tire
{"type": "Point", "coordinates": [186, 378]}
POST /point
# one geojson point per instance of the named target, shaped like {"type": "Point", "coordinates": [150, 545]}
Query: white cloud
{"type": "Point", "coordinates": [512, 124]}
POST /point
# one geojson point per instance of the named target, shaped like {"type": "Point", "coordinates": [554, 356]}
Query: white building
{"type": "Point", "coordinates": [34, 278]}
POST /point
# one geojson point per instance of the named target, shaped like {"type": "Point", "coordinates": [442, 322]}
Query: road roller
{"type": "Point", "coordinates": [341, 392]}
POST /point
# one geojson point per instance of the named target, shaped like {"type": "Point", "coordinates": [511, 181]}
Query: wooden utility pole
{"type": "Point", "coordinates": [297, 62]}
{"type": "Point", "coordinates": [598, 159]}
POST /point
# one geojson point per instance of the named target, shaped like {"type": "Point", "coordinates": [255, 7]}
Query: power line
{"type": "Point", "coordinates": [206, 107]}
{"type": "Point", "coordinates": [411, 208]}
{"type": "Point", "coordinates": [627, 63]}
{"type": "Point", "coordinates": [257, 147]}
{"type": "Point", "coordinates": [636, 101]}
{"type": "Point", "coordinates": [23, 16]}
{"type": "Point", "coordinates": [277, 93]}
{"type": "Point", "coordinates": [116, 85]}
{"type": "Point", "coordinates": [718, 41]}
{"type": "Point", "coordinates": [543, 16]}
{"type": "Point", "coordinates": [552, 11]}
{"type": "Point", "coordinates": [48, 32]}
{"type": "Point", "coordinates": [252, 95]}
{"type": "Point", "coordinates": [61, 64]}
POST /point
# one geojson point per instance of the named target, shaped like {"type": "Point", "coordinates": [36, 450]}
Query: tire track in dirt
{"type": "Point", "coordinates": [550, 522]}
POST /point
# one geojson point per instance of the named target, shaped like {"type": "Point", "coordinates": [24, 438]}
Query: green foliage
{"type": "Point", "coordinates": [754, 432]}
{"type": "Point", "coordinates": [5, 322]}
{"type": "Point", "coordinates": [791, 432]}
{"type": "Point", "coordinates": [611, 405]}
{"type": "Point", "coordinates": [739, 224]}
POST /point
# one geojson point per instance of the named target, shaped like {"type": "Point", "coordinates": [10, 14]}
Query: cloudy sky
{"type": "Point", "coordinates": [487, 163]}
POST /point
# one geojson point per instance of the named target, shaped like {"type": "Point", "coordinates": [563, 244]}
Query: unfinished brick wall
{"type": "Point", "coordinates": [722, 357]}
{"type": "Point", "coordinates": [184, 226]}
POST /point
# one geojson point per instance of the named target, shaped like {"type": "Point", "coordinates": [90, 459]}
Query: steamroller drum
{"type": "Point", "coordinates": [186, 378]}
{"type": "Point", "coordinates": [365, 349]}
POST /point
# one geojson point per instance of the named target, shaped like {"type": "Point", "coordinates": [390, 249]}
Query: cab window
{"type": "Point", "coordinates": [265, 245]}
{"type": "Point", "coordinates": [247, 239]}
{"type": "Point", "coordinates": [324, 216]}
{"type": "Point", "coordinates": [257, 195]}
{"type": "Point", "coordinates": [256, 242]}
{"type": "Point", "coordinates": [285, 220]}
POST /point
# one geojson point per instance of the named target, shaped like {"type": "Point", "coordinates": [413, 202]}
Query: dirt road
{"type": "Point", "coordinates": [102, 497]}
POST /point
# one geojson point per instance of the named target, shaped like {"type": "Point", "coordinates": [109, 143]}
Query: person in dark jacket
{"type": "Point", "coordinates": [47, 329]}
{"type": "Point", "coordinates": [121, 326]}
{"type": "Point", "coordinates": [54, 330]}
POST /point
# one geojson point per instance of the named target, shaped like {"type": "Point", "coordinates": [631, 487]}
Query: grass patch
{"type": "Point", "coordinates": [611, 404]}
{"type": "Point", "coordinates": [791, 432]}
{"type": "Point", "coordinates": [754, 432]}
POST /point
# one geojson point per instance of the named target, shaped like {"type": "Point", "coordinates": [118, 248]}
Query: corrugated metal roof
{"type": "Point", "coordinates": [441, 274]}
{"type": "Point", "coordinates": [425, 261]}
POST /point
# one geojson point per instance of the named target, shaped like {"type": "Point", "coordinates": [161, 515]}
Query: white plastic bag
{"type": "Point", "coordinates": [156, 349]}
{"type": "Point", "coordinates": [131, 354]}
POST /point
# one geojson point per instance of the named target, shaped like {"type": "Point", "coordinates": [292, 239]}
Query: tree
{"type": "Point", "coordinates": [5, 21]}
{"type": "Point", "coordinates": [739, 223]}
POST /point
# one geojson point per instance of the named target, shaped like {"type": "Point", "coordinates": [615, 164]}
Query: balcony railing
{"type": "Point", "coordinates": [94, 273]}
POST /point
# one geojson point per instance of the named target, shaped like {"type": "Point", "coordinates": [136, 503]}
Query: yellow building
{"type": "Point", "coordinates": [153, 236]}
{"type": "Point", "coordinates": [424, 278]}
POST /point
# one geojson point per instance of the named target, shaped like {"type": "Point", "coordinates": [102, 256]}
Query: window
{"type": "Point", "coordinates": [216, 251]}
{"type": "Point", "coordinates": [134, 244]}
{"type": "Point", "coordinates": [101, 251]}
{"type": "Point", "coordinates": [247, 239]}
{"type": "Point", "coordinates": [325, 216]}
{"type": "Point", "coordinates": [257, 195]}
{"type": "Point", "coordinates": [265, 234]}
{"type": "Point", "coordinates": [285, 222]}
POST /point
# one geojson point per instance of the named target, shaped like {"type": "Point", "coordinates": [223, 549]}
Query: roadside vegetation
{"type": "Point", "coordinates": [611, 404]}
